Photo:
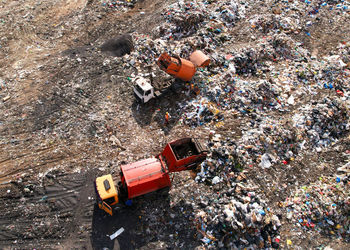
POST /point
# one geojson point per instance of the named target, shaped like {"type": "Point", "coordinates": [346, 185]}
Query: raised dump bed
{"type": "Point", "coordinates": [183, 154]}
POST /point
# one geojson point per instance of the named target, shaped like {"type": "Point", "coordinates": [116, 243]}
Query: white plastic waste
{"type": "Point", "coordinates": [116, 234]}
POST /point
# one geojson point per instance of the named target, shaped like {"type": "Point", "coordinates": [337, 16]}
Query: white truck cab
{"type": "Point", "coordinates": [143, 90]}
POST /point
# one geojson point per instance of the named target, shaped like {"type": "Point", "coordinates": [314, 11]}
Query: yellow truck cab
{"type": "Point", "coordinates": [107, 194]}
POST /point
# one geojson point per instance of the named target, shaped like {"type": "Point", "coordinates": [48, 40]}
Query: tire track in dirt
{"type": "Point", "coordinates": [63, 209]}
{"type": "Point", "coordinates": [45, 110]}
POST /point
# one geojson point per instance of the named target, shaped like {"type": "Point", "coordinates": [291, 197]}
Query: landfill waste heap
{"type": "Point", "coordinates": [272, 107]}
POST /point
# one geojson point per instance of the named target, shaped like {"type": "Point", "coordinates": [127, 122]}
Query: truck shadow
{"type": "Point", "coordinates": [104, 225]}
{"type": "Point", "coordinates": [148, 223]}
{"type": "Point", "coordinates": [154, 111]}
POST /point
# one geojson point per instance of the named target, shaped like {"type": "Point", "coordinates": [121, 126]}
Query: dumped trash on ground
{"type": "Point", "coordinates": [116, 234]}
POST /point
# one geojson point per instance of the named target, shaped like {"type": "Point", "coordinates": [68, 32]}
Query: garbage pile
{"type": "Point", "coordinates": [268, 140]}
{"type": "Point", "coordinates": [235, 217]}
{"type": "Point", "coordinates": [197, 113]}
{"type": "Point", "coordinates": [194, 23]}
{"type": "Point", "coordinates": [323, 123]}
{"type": "Point", "coordinates": [119, 5]}
{"type": "Point", "coordinates": [322, 206]}
{"type": "Point", "coordinates": [222, 164]}
{"type": "Point", "coordinates": [185, 19]}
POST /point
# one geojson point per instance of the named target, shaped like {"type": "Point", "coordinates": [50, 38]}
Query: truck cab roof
{"type": "Point", "coordinates": [105, 187]}
{"type": "Point", "coordinates": [144, 84]}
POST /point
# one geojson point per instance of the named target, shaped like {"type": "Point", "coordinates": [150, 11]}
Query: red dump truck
{"type": "Point", "coordinates": [149, 175]}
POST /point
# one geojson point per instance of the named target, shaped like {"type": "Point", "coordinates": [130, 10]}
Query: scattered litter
{"type": "Point", "coordinates": [117, 233]}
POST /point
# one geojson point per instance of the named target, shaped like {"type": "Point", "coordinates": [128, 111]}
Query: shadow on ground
{"type": "Point", "coordinates": [149, 223]}
{"type": "Point", "coordinates": [154, 110]}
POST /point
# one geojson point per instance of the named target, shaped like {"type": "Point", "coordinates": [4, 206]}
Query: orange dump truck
{"type": "Point", "coordinates": [149, 175]}
{"type": "Point", "coordinates": [173, 65]}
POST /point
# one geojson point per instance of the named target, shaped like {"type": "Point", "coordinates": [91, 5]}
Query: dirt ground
{"type": "Point", "coordinates": [55, 140]}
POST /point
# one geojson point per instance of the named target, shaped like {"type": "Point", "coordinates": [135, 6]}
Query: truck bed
{"type": "Point", "coordinates": [185, 149]}
{"type": "Point", "coordinates": [183, 154]}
